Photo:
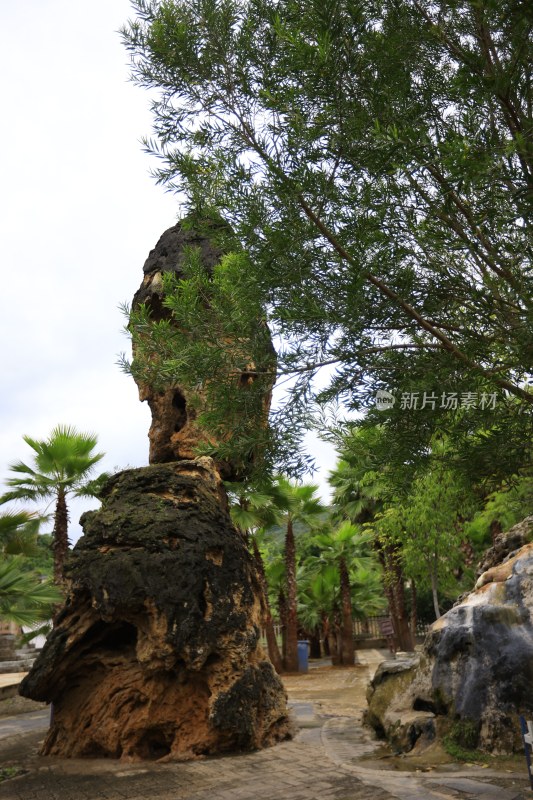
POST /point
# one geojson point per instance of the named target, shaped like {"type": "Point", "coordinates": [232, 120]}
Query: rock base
{"type": "Point", "coordinates": [474, 676]}
{"type": "Point", "coordinates": [155, 654]}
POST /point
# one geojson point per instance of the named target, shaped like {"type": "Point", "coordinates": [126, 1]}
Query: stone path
{"type": "Point", "coordinates": [322, 763]}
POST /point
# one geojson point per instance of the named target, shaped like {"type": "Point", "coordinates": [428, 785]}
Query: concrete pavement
{"type": "Point", "coordinates": [323, 762]}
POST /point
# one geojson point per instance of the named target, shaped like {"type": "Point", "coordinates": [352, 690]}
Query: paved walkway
{"type": "Point", "coordinates": [322, 763]}
{"type": "Point", "coordinates": [9, 682]}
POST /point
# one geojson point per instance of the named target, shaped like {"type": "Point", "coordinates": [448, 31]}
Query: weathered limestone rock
{"type": "Point", "coordinates": [475, 672]}
{"type": "Point", "coordinates": [506, 544]}
{"type": "Point", "coordinates": [390, 710]}
{"type": "Point", "coordinates": [174, 433]}
{"type": "Point", "coordinates": [156, 652]}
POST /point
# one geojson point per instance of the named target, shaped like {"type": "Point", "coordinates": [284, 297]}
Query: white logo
{"type": "Point", "coordinates": [384, 400]}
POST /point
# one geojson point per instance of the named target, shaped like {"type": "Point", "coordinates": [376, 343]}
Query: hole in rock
{"type": "Point", "coordinates": [202, 604]}
{"type": "Point", "coordinates": [119, 636]}
{"type": "Point", "coordinates": [179, 405]}
{"type": "Point", "coordinates": [424, 705]}
{"type": "Point", "coordinates": [154, 744]}
{"type": "Point", "coordinates": [154, 304]}
{"type": "Point", "coordinates": [114, 636]}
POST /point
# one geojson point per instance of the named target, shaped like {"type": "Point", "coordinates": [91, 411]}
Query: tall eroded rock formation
{"type": "Point", "coordinates": [174, 433]}
{"type": "Point", "coordinates": [155, 653]}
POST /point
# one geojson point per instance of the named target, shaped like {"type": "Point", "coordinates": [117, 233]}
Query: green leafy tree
{"type": "Point", "coordinates": [502, 509]}
{"type": "Point", "coordinates": [276, 582]}
{"type": "Point", "coordinates": [320, 603]}
{"type": "Point", "coordinates": [375, 162]}
{"type": "Point", "coordinates": [427, 526]}
{"type": "Point", "coordinates": [62, 465]}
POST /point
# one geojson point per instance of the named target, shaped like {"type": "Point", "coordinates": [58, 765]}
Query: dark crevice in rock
{"type": "Point", "coordinates": [155, 743]}
{"type": "Point", "coordinates": [424, 705]}
{"type": "Point", "coordinates": [179, 404]}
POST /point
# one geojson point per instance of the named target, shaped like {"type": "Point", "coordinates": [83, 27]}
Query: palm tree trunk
{"type": "Point", "coordinates": [60, 534]}
{"type": "Point", "coordinates": [325, 634]}
{"type": "Point", "coordinates": [272, 644]}
{"type": "Point", "coordinates": [282, 611]}
{"type": "Point", "coordinates": [315, 643]}
{"type": "Point", "coordinates": [347, 643]}
{"type": "Point", "coordinates": [291, 659]}
{"type": "Point", "coordinates": [332, 647]}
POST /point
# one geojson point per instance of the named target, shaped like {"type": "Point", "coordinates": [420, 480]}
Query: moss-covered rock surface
{"type": "Point", "coordinates": [156, 653]}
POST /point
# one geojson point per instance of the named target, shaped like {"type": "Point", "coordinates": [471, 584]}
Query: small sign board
{"type": "Point", "coordinates": [386, 627]}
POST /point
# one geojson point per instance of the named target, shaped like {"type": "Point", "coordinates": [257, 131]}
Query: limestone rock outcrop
{"type": "Point", "coordinates": [174, 433]}
{"type": "Point", "coordinates": [156, 654]}
{"type": "Point", "coordinates": [475, 672]}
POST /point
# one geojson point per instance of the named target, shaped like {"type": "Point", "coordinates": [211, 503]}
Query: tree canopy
{"type": "Point", "coordinates": [375, 161]}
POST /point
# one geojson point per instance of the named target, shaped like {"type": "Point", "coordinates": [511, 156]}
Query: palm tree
{"type": "Point", "coordinates": [368, 598]}
{"type": "Point", "coordinates": [61, 466]}
{"type": "Point", "coordinates": [24, 598]}
{"type": "Point", "coordinates": [357, 495]}
{"type": "Point", "coordinates": [361, 490]}
{"type": "Point", "coordinates": [276, 583]}
{"type": "Point", "coordinates": [342, 547]}
{"type": "Point", "coordinates": [296, 504]}
{"type": "Point", "coordinates": [251, 513]}
{"type": "Point", "coordinates": [18, 533]}
{"type": "Point", "coordinates": [318, 603]}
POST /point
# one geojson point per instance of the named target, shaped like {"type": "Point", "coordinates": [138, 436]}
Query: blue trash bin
{"type": "Point", "coordinates": [303, 655]}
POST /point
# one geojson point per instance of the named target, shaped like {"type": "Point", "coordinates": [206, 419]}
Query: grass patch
{"type": "Point", "coordinates": [460, 753]}
{"type": "Point", "coordinates": [9, 772]}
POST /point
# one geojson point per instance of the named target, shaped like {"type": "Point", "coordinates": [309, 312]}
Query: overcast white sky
{"type": "Point", "coordinates": [79, 214]}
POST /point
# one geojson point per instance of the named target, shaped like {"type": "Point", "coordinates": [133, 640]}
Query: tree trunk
{"type": "Point", "coordinates": [325, 634]}
{"type": "Point", "coordinates": [291, 659]}
{"type": "Point", "coordinates": [315, 649]}
{"type": "Point", "coordinates": [60, 536]}
{"type": "Point", "coordinates": [435, 595]}
{"type": "Point", "coordinates": [272, 644]}
{"type": "Point", "coordinates": [347, 643]}
{"type": "Point", "coordinates": [414, 617]}
{"type": "Point", "coordinates": [394, 589]}
{"type": "Point", "coordinates": [333, 648]}
{"type": "Point", "coordinates": [282, 611]}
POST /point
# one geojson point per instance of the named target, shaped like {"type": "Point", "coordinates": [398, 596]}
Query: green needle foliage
{"type": "Point", "coordinates": [375, 161]}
